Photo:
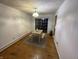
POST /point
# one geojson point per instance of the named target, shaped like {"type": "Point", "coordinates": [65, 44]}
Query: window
{"type": "Point", "coordinates": [41, 24]}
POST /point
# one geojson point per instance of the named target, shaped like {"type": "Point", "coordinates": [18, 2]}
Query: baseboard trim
{"type": "Point", "coordinates": [7, 46]}
{"type": "Point", "coordinates": [56, 45]}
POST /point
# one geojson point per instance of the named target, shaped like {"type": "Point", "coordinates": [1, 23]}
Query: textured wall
{"type": "Point", "coordinates": [13, 24]}
{"type": "Point", "coordinates": [67, 30]}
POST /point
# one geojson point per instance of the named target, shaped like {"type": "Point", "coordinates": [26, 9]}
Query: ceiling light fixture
{"type": "Point", "coordinates": [35, 14]}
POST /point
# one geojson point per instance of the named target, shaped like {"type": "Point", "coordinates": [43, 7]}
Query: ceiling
{"type": "Point", "coordinates": [43, 6]}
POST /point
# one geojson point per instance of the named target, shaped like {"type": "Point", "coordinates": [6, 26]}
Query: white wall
{"type": "Point", "coordinates": [51, 20]}
{"type": "Point", "coordinates": [13, 24]}
{"type": "Point", "coordinates": [67, 30]}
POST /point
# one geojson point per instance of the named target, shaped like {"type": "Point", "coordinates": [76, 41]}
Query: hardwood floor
{"type": "Point", "coordinates": [21, 50]}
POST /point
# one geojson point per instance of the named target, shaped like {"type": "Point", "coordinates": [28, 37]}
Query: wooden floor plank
{"type": "Point", "coordinates": [21, 50]}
